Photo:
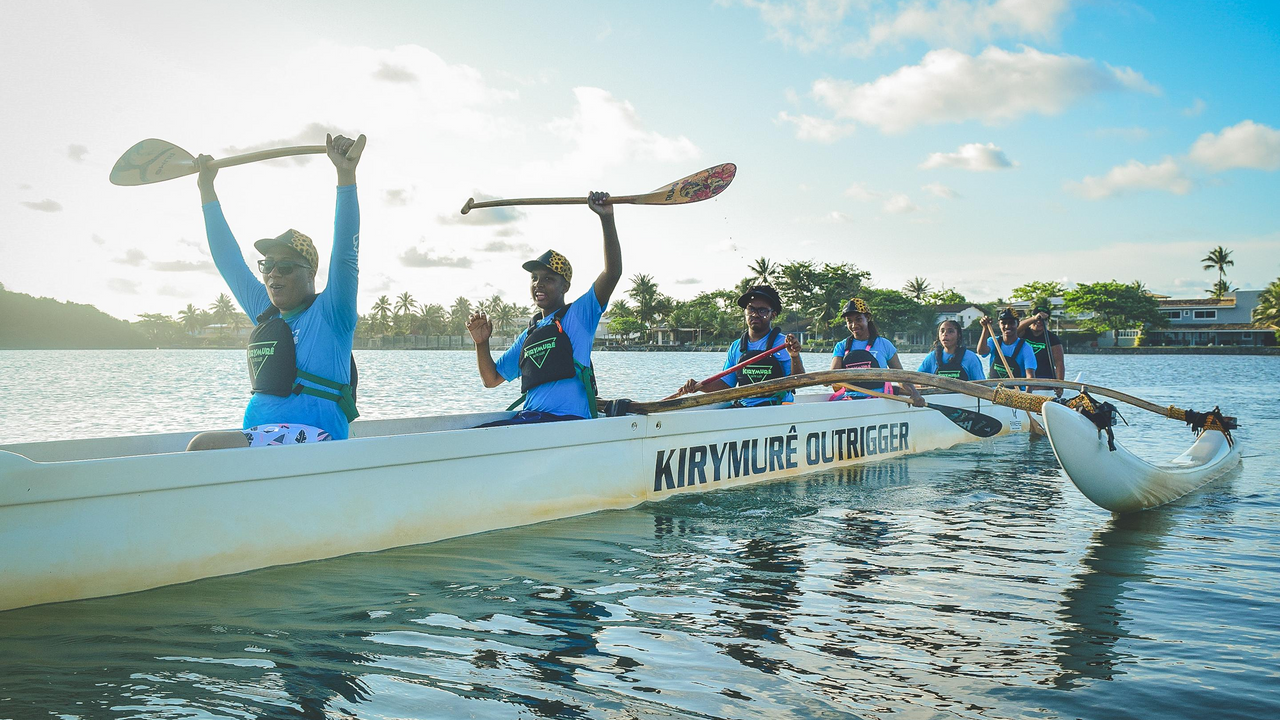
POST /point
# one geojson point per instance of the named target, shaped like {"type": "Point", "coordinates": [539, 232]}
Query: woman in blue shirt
{"type": "Point", "coordinates": [950, 358]}
{"type": "Point", "coordinates": [865, 348]}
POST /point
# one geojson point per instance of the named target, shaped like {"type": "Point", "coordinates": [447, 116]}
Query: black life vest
{"type": "Point", "coordinates": [865, 359]}
{"type": "Point", "coordinates": [547, 356]}
{"type": "Point", "coordinates": [273, 366]}
{"type": "Point", "coordinates": [769, 368]}
{"type": "Point", "coordinates": [997, 367]}
{"type": "Point", "coordinates": [1043, 348]}
{"type": "Point", "coordinates": [953, 368]}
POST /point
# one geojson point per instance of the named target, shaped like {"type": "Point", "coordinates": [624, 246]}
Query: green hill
{"type": "Point", "coordinates": [30, 323]}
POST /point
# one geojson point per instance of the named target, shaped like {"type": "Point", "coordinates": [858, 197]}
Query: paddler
{"type": "Point", "coordinates": [1046, 345]}
{"type": "Point", "coordinates": [1015, 351]}
{"type": "Point", "coordinates": [552, 357]}
{"type": "Point", "coordinates": [950, 358]}
{"type": "Point", "coordinates": [865, 348]}
{"type": "Point", "coordinates": [300, 366]}
{"type": "Point", "coordinates": [761, 305]}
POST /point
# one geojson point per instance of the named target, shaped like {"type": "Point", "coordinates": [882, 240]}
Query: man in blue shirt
{"type": "Point", "coordinates": [300, 351]}
{"type": "Point", "coordinates": [760, 305]}
{"type": "Point", "coordinates": [1012, 349]}
{"type": "Point", "coordinates": [553, 355]}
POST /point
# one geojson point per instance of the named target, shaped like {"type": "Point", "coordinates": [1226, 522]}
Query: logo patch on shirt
{"type": "Point", "coordinates": [756, 373]}
{"type": "Point", "coordinates": [259, 353]}
{"type": "Point", "coordinates": [538, 351]}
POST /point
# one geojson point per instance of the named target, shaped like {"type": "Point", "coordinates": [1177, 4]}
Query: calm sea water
{"type": "Point", "coordinates": [972, 583]}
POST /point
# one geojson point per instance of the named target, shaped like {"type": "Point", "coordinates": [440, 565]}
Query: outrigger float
{"type": "Point", "coordinates": [90, 518]}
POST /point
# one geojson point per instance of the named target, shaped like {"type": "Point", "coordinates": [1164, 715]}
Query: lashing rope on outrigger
{"type": "Point", "coordinates": [1212, 420]}
{"type": "Point", "coordinates": [1102, 414]}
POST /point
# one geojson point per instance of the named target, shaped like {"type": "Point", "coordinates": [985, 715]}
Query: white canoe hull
{"type": "Point", "coordinates": [1122, 482]}
{"type": "Point", "coordinates": [81, 519]}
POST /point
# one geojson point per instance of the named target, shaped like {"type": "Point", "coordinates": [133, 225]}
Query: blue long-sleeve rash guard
{"type": "Point", "coordinates": [322, 333]}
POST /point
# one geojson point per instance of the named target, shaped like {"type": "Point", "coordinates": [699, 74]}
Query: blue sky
{"type": "Point", "coordinates": [977, 143]}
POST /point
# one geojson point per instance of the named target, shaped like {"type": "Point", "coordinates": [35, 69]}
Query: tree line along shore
{"type": "Point", "coordinates": [646, 318]}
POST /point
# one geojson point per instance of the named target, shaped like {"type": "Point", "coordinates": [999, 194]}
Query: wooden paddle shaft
{"type": "Point", "coordinates": [619, 200]}
{"type": "Point", "coordinates": [729, 371]}
{"type": "Point", "coordinates": [874, 393]}
{"type": "Point", "coordinates": [267, 155]}
{"type": "Point", "coordinates": [834, 377]}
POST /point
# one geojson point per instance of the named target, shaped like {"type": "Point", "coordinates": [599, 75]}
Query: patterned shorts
{"type": "Point", "coordinates": [284, 434]}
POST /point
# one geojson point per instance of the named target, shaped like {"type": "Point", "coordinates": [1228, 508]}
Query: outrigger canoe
{"type": "Point", "coordinates": [90, 518]}
{"type": "Point", "coordinates": [1120, 481]}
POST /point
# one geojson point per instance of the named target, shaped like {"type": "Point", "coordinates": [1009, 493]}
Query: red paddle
{"type": "Point", "coordinates": [735, 368]}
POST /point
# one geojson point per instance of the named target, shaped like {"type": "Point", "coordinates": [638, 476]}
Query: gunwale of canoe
{"type": "Point", "coordinates": [82, 519]}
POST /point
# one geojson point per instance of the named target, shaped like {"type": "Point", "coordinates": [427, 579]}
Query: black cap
{"type": "Point", "coordinates": [1009, 315]}
{"type": "Point", "coordinates": [763, 292]}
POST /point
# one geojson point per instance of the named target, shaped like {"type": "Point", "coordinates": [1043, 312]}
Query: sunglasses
{"type": "Point", "coordinates": [286, 267]}
{"type": "Point", "coordinates": [759, 311]}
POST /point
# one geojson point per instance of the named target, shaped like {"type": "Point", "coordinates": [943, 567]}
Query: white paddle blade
{"type": "Point", "coordinates": [152, 161]}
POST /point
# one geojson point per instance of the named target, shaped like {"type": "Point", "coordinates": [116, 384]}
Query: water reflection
{"type": "Point", "coordinates": [1092, 606]}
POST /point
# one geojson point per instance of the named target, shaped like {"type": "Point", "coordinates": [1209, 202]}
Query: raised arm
{"type": "Point", "coordinates": [344, 267]}
{"type": "Point", "coordinates": [983, 350]}
{"type": "Point", "coordinates": [612, 273]}
{"type": "Point", "coordinates": [243, 282]}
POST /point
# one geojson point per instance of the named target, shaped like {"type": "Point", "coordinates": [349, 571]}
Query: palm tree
{"type": "Point", "coordinates": [192, 318]}
{"type": "Point", "coordinates": [459, 312]}
{"type": "Point", "coordinates": [1267, 313]}
{"type": "Point", "coordinates": [404, 304]}
{"type": "Point", "coordinates": [221, 311]}
{"type": "Point", "coordinates": [504, 315]}
{"type": "Point", "coordinates": [762, 271]}
{"type": "Point", "coordinates": [644, 291]}
{"type": "Point", "coordinates": [432, 319]}
{"type": "Point", "coordinates": [1220, 289]}
{"type": "Point", "coordinates": [380, 316]}
{"type": "Point", "coordinates": [917, 287]}
{"type": "Point", "coordinates": [239, 320]}
{"type": "Point", "coordinates": [1219, 258]}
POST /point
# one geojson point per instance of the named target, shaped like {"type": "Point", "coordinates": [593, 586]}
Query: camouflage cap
{"type": "Point", "coordinates": [293, 240]}
{"type": "Point", "coordinates": [553, 261]}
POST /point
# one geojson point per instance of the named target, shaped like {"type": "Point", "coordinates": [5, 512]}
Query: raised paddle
{"type": "Point", "coordinates": [153, 161]}
{"type": "Point", "coordinates": [695, 188]}
{"type": "Point", "coordinates": [729, 371]}
{"type": "Point", "coordinates": [974, 423]}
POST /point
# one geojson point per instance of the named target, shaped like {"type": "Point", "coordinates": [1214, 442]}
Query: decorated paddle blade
{"type": "Point", "coordinates": [974, 423]}
{"type": "Point", "coordinates": [152, 161]}
{"type": "Point", "coordinates": [698, 186]}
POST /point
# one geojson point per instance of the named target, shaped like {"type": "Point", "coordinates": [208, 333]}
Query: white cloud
{"type": "Point", "coordinates": [1197, 107]}
{"type": "Point", "coordinates": [46, 205]}
{"type": "Point", "coordinates": [502, 246]}
{"type": "Point", "coordinates": [816, 129]}
{"type": "Point", "coordinates": [501, 215]}
{"type": "Point", "coordinates": [957, 23]}
{"type": "Point", "coordinates": [204, 266]}
{"type": "Point", "coordinates": [413, 257]}
{"type": "Point", "coordinates": [604, 130]}
{"type": "Point", "coordinates": [395, 197]}
{"type": "Point", "coordinates": [1135, 134]}
{"type": "Point", "coordinates": [893, 203]}
{"type": "Point", "coordinates": [996, 86]}
{"type": "Point", "coordinates": [1245, 145]}
{"type": "Point", "coordinates": [97, 240]}
{"type": "Point", "coordinates": [394, 73]}
{"type": "Point", "coordinates": [123, 286]}
{"type": "Point", "coordinates": [77, 152]}
{"type": "Point", "coordinates": [861, 26]}
{"type": "Point", "coordinates": [941, 191]}
{"type": "Point", "coordinates": [688, 281]}
{"type": "Point", "coordinates": [900, 204]}
{"type": "Point", "coordinates": [1166, 176]}
{"type": "Point", "coordinates": [973, 156]}
{"type": "Point", "coordinates": [133, 257]}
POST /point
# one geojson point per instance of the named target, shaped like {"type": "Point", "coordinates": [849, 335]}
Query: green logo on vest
{"type": "Point", "coordinates": [259, 353]}
{"type": "Point", "coordinates": [756, 373]}
{"type": "Point", "coordinates": [539, 351]}
{"type": "Point", "coordinates": [949, 373]}
{"type": "Point", "coordinates": [1036, 347]}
